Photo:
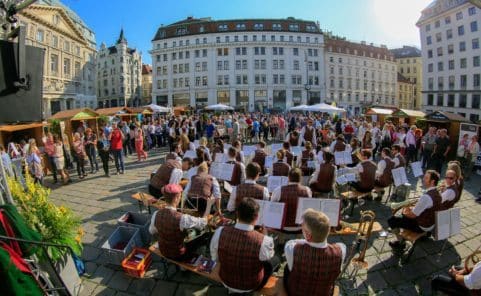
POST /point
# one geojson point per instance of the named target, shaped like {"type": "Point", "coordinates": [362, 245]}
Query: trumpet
{"type": "Point", "coordinates": [395, 206]}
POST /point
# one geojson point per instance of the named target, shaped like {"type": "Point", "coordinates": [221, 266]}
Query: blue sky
{"type": "Point", "coordinates": [390, 22]}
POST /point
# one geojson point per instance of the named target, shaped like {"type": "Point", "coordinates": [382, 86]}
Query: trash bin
{"type": "Point", "coordinates": [121, 243]}
{"type": "Point", "coordinates": [140, 221]}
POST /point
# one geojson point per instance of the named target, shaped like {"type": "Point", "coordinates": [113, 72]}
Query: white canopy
{"type": "Point", "coordinates": [298, 108]}
{"type": "Point", "coordinates": [158, 109]}
{"type": "Point", "coordinates": [322, 107]}
{"type": "Point", "coordinates": [219, 107]}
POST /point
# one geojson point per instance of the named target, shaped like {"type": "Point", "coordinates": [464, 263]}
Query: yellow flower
{"type": "Point", "coordinates": [78, 239]}
{"type": "Point", "coordinates": [81, 232]}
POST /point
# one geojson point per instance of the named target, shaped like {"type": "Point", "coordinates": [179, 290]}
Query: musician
{"type": "Point", "coordinates": [203, 146]}
{"type": "Point", "coordinates": [460, 281]}
{"type": "Point", "coordinates": [384, 168]}
{"type": "Point", "coordinates": [339, 145]}
{"type": "Point", "coordinates": [280, 168]}
{"type": "Point", "coordinates": [419, 218]}
{"type": "Point", "coordinates": [312, 263]}
{"type": "Point", "coordinates": [307, 155]}
{"type": "Point", "coordinates": [170, 172]}
{"type": "Point", "coordinates": [219, 148]}
{"type": "Point", "coordinates": [399, 160]}
{"type": "Point", "coordinates": [201, 188]}
{"type": "Point", "coordinates": [248, 189]}
{"type": "Point", "coordinates": [170, 225]}
{"type": "Point", "coordinates": [260, 156]}
{"type": "Point", "coordinates": [455, 166]}
{"type": "Point", "coordinates": [450, 190]}
{"type": "Point", "coordinates": [367, 173]}
{"type": "Point", "coordinates": [308, 133]}
{"type": "Point", "coordinates": [290, 194]}
{"type": "Point", "coordinates": [239, 172]}
{"type": "Point", "coordinates": [246, 256]}
{"type": "Point", "coordinates": [286, 146]}
{"type": "Point", "coordinates": [293, 138]}
{"type": "Point", "coordinates": [324, 177]}
{"type": "Point", "coordinates": [240, 154]}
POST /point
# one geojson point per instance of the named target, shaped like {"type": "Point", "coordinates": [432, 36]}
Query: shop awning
{"type": "Point", "coordinates": [379, 111]}
{"type": "Point", "coordinates": [19, 127]}
{"type": "Point", "coordinates": [409, 113]}
{"type": "Point", "coordinates": [114, 111]}
{"type": "Point", "coordinates": [76, 114]}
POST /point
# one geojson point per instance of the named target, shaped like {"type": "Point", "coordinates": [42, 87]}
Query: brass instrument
{"type": "Point", "coordinates": [396, 206]}
{"type": "Point", "coordinates": [364, 234]}
{"type": "Point", "coordinates": [472, 260]}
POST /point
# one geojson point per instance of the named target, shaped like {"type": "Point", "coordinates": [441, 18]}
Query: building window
{"type": "Point", "coordinates": [476, 61]}
{"type": "Point", "coordinates": [438, 37]}
{"type": "Point", "coordinates": [462, 46]}
{"type": "Point", "coordinates": [460, 30]}
{"type": "Point", "coordinates": [447, 20]}
{"type": "Point", "coordinates": [66, 67]}
{"type": "Point", "coordinates": [450, 49]}
{"type": "Point", "coordinates": [451, 64]}
{"type": "Point", "coordinates": [276, 27]}
{"type": "Point", "coordinates": [222, 27]}
{"type": "Point", "coordinates": [476, 82]}
{"type": "Point", "coordinates": [462, 100]}
{"type": "Point", "coordinates": [181, 31]}
{"type": "Point", "coordinates": [439, 51]}
{"type": "Point", "coordinates": [217, 39]}
{"type": "Point", "coordinates": [475, 43]}
{"type": "Point", "coordinates": [294, 27]}
{"type": "Point", "coordinates": [474, 26]}
{"type": "Point", "coordinates": [472, 10]}
{"type": "Point", "coordinates": [54, 64]}
{"type": "Point", "coordinates": [430, 54]}
{"type": "Point", "coordinates": [430, 68]}
{"type": "Point", "coordinates": [258, 26]}
{"type": "Point", "coordinates": [449, 34]}
{"type": "Point", "coordinates": [240, 27]}
{"type": "Point", "coordinates": [430, 99]}
{"type": "Point", "coordinates": [54, 41]}
{"type": "Point", "coordinates": [459, 15]}
{"type": "Point", "coordinates": [428, 27]}
{"type": "Point", "coordinates": [463, 81]}
{"type": "Point", "coordinates": [40, 35]}
{"type": "Point", "coordinates": [463, 63]}
{"type": "Point", "coordinates": [451, 100]}
{"type": "Point", "coordinates": [475, 100]}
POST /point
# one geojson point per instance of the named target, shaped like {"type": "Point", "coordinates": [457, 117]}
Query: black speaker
{"type": "Point", "coordinates": [20, 105]}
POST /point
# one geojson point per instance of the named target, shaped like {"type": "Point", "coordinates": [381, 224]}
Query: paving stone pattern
{"type": "Point", "coordinates": [100, 201]}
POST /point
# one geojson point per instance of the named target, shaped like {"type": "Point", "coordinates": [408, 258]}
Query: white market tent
{"type": "Point", "coordinates": [298, 108]}
{"type": "Point", "coordinates": [219, 107]}
{"type": "Point", "coordinates": [158, 109]}
{"type": "Point", "coordinates": [324, 108]}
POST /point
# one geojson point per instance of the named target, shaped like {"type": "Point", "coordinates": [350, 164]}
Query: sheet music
{"type": "Point", "coordinates": [196, 144]}
{"type": "Point", "coordinates": [227, 187]}
{"type": "Point", "coordinates": [276, 147]}
{"type": "Point", "coordinates": [341, 180]}
{"type": "Point", "coordinates": [269, 161]}
{"type": "Point", "coordinates": [275, 181]}
{"type": "Point", "coordinates": [455, 221]}
{"type": "Point", "coordinates": [220, 157]}
{"type": "Point", "coordinates": [399, 176]}
{"type": "Point", "coordinates": [249, 150]}
{"type": "Point", "coordinates": [342, 157]}
{"type": "Point", "coordinates": [190, 153]}
{"type": "Point", "coordinates": [226, 148]}
{"type": "Point", "coordinates": [312, 164]}
{"type": "Point", "coordinates": [443, 224]}
{"type": "Point", "coordinates": [296, 150]}
{"type": "Point", "coordinates": [417, 169]}
{"type": "Point", "coordinates": [330, 207]}
{"type": "Point", "coordinates": [350, 177]}
{"type": "Point", "coordinates": [222, 171]}
{"type": "Point", "coordinates": [271, 214]}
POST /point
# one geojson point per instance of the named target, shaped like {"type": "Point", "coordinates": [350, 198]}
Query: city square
{"type": "Point", "coordinates": [225, 152]}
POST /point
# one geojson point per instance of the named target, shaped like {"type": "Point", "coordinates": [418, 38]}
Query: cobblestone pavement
{"type": "Point", "coordinates": [100, 201]}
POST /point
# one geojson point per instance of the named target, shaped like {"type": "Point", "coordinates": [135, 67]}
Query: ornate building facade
{"type": "Point", "coordinates": [253, 64]}
{"type": "Point", "coordinates": [406, 93]}
{"type": "Point", "coordinates": [69, 68]}
{"type": "Point", "coordinates": [119, 75]}
{"type": "Point", "coordinates": [146, 84]}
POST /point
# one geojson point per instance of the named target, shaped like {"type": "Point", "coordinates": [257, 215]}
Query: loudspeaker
{"type": "Point", "coordinates": [20, 105]}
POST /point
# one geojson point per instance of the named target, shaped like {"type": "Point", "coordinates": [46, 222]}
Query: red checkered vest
{"type": "Point", "coordinates": [236, 173]}
{"type": "Point", "coordinates": [280, 168]}
{"type": "Point", "coordinates": [306, 156]}
{"type": "Point", "coordinates": [368, 175]}
{"type": "Point", "coordinates": [290, 195]}
{"type": "Point", "coordinates": [294, 141]}
{"type": "Point", "coordinates": [426, 219]}
{"type": "Point", "coordinates": [201, 186]}
{"type": "Point", "coordinates": [260, 158]}
{"type": "Point", "coordinates": [325, 179]}
{"type": "Point", "coordinates": [308, 134]}
{"type": "Point", "coordinates": [314, 270]}
{"type": "Point", "coordinates": [255, 191]}
{"type": "Point", "coordinates": [289, 157]}
{"type": "Point", "coordinates": [386, 178]}
{"type": "Point", "coordinates": [339, 146]}
{"type": "Point", "coordinates": [240, 267]}
{"type": "Point", "coordinates": [171, 238]}
{"type": "Point", "coordinates": [162, 176]}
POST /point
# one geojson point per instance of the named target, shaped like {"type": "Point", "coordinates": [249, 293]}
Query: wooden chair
{"type": "Point", "coordinates": [268, 290]}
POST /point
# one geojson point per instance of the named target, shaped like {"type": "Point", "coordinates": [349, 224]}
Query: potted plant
{"type": "Point", "coordinates": [57, 225]}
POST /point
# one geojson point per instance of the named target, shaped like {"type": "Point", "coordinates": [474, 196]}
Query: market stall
{"type": "Point", "coordinates": [379, 114]}
{"type": "Point", "coordinates": [124, 113]}
{"type": "Point", "coordinates": [16, 132]}
{"type": "Point", "coordinates": [407, 116]}
{"type": "Point", "coordinates": [76, 120]}
{"type": "Point", "coordinates": [449, 121]}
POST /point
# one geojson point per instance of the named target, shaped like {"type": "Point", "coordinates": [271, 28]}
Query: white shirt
{"type": "Point", "coordinates": [186, 222]}
{"type": "Point", "coordinates": [448, 195]}
{"type": "Point", "coordinates": [176, 176]}
{"type": "Point", "coordinates": [472, 281]}
{"type": "Point", "coordinates": [347, 149]}
{"type": "Point", "coordinates": [425, 202]}
{"type": "Point", "coordinates": [233, 195]}
{"type": "Point", "coordinates": [381, 166]}
{"type": "Point", "coordinates": [265, 253]}
{"type": "Point", "coordinates": [289, 249]}
{"type": "Point", "coordinates": [215, 188]}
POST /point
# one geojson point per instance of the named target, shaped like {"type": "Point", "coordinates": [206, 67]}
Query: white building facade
{"type": "Point", "coordinates": [119, 75]}
{"type": "Point", "coordinates": [251, 64]}
{"type": "Point", "coordinates": [450, 41]}
{"type": "Point", "coordinates": [359, 75]}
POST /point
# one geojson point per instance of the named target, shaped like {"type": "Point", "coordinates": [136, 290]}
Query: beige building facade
{"type": "Point", "coordinates": [410, 66]}
{"type": "Point", "coordinates": [406, 95]}
{"type": "Point", "coordinates": [69, 68]}
{"type": "Point", "coordinates": [146, 84]}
